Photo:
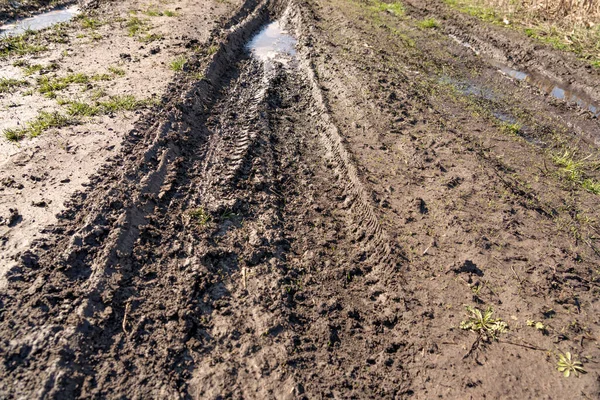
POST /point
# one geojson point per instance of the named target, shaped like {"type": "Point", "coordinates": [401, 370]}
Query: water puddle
{"type": "Point", "coordinates": [548, 86]}
{"type": "Point", "coordinates": [38, 22]}
{"type": "Point", "coordinates": [552, 88]}
{"type": "Point", "coordinates": [273, 44]}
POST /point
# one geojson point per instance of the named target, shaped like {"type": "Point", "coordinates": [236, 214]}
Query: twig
{"type": "Point", "coordinates": [516, 276]}
{"type": "Point", "coordinates": [244, 277]}
{"type": "Point", "coordinates": [527, 346]}
{"type": "Point", "coordinates": [474, 347]}
{"type": "Point", "coordinates": [127, 309]}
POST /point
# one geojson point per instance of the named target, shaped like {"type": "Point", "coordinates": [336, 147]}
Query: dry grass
{"type": "Point", "coordinates": [568, 25]}
{"type": "Point", "coordinates": [558, 11]}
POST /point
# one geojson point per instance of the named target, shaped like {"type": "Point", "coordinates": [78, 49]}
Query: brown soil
{"type": "Point", "coordinates": [314, 229]}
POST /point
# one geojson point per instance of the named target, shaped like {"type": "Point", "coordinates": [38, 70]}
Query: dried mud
{"type": "Point", "coordinates": [312, 227]}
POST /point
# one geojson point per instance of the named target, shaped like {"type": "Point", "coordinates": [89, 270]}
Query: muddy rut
{"type": "Point", "coordinates": [307, 220]}
{"type": "Point", "coordinates": [176, 275]}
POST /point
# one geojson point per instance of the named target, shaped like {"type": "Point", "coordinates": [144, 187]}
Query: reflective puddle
{"type": "Point", "coordinates": [273, 44]}
{"type": "Point", "coordinates": [548, 86]}
{"type": "Point", "coordinates": [38, 22]}
{"type": "Point", "coordinates": [552, 88]}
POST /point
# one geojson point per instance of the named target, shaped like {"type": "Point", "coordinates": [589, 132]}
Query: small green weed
{"type": "Point", "coordinates": [200, 216]}
{"type": "Point", "coordinates": [112, 105]}
{"type": "Point", "coordinates": [116, 71]}
{"type": "Point", "coordinates": [90, 23]}
{"type": "Point", "coordinates": [151, 12]}
{"type": "Point", "coordinates": [77, 108]}
{"type": "Point", "coordinates": [150, 37]}
{"type": "Point", "coordinates": [567, 365]}
{"type": "Point", "coordinates": [482, 323]}
{"type": "Point", "coordinates": [135, 26]}
{"type": "Point", "coordinates": [27, 43]}
{"type": "Point", "coordinates": [14, 135]}
{"type": "Point", "coordinates": [429, 23]}
{"type": "Point", "coordinates": [48, 86]}
{"type": "Point", "coordinates": [570, 167]}
{"type": "Point", "coordinates": [44, 121]}
{"type": "Point", "coordinates": [537, 325]}
{"type": "Point", "coordinates": [510, 129]}
{"type": "Point", "coordinates": [212, 50]}
{"type": "Point", "coordinates": [178, 63]}
{"type": "Point", "coordinates": [7, 84]}
{"type": "Point", "coordinates": [121, 103]}
{"type": "Point", "coordinates": [169, 13]}
{"type": "Point", "coordinates": [591, 186]}
{"type": "Point", "coordinates": [32, 69]}
{"type": "Point", "coordinates": [395, 8]}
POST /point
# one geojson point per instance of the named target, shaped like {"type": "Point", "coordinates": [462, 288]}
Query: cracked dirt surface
{"type": "Point", "coordinates": [311, 226]}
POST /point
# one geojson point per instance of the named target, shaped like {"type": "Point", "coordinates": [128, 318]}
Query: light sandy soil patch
{"type": "Point", "coordinates": [121, 58]}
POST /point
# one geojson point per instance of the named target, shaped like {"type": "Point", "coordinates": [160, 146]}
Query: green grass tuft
{"type": "Point", "coordinates": [510, 129]}
{"type": "Point", "coordinates": [136, 26]}
{"type": "Point", "coordinates": [429, 23]}
{"type": "Point", "coordinates": [27, 43]}
{"type": "Point", "coordinates": [116, 71]}
{"type": "Point", "coordinates": [7, 84]}
{"type": "Point", "coordinates": [44, 121]}
{"type": "Point", "coordinates": [178, 63]}
{"type": "Point", "coordinates": [395, 8]}
{"type": "Point", "coordinates": [200, 216]}
{"type": "Point", "coordinates": [77, 108]}
{"type": "Point", "coordinates": [591, 186]}
{"type": "Point", "coordinates": [90, 23]}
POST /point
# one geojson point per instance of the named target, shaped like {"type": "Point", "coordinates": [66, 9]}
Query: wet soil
{"type": "Point", "coordinates": [310, 222]}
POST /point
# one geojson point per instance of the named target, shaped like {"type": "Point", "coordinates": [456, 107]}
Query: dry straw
{"type": "Point", "coordinates": [560, 11]}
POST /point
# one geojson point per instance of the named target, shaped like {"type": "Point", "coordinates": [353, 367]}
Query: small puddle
{"type": "Point", "coordinates": [548, 86]}
{"type": "Point", "coordinates": [38, 22]}
{"type": "Point", "coordinates": [273, 44]}
{"type": "Point", "coordinates": [552, 88]}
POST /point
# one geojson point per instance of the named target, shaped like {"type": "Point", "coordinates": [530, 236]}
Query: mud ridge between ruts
{"type": "Point", "coordinates": [512, 48]}
{"type": "Point", "coordinates": [70, 305]}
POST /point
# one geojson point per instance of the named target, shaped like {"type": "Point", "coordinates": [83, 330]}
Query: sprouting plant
{"type": "Point", "coordinates": [567, 365]}
{"type": "Point", "coordinates": [212, 50]}
{"type": "Point", "coordinates": [476, 289]}
{"type": "Point", "coordinates": [201, 216]}
{"type": "Point", "coordinates": [90, 23]}
{"type": "Point", "coordinates": [537, 325]}
{"type": "Point", "coordinates": [510, 129]}
{"type": "Point", "coordinates": [135, 25]}
{"type": "Point", "coordinates": [572, 168]}
{"type": "Point", "coordinates": [482, 323]}
{"type": "Point", "coordinates": [178, 63]}
{"type": "Point", "coordinates": [591, 186]}
{"type": "Point", "coordinates": [116, 70]}
{"type": "Point", "coordinates": [429, 23]}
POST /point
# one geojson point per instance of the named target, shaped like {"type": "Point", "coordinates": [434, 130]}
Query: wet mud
{"type": "Point", "coordinates": [306, 217]}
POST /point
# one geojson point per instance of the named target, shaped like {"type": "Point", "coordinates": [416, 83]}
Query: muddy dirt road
{"type": "Point", "coordinates": [304, 211]}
